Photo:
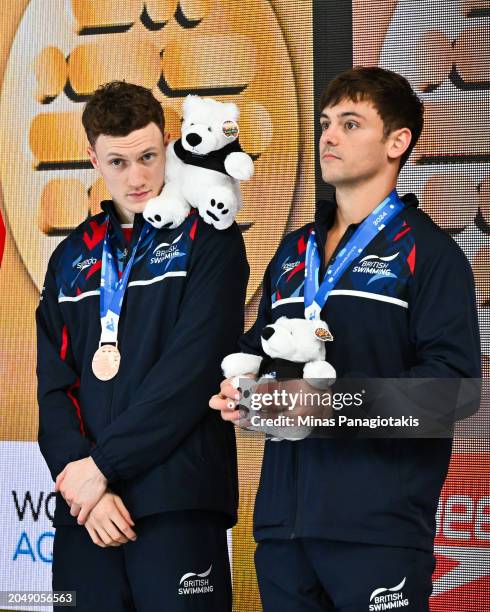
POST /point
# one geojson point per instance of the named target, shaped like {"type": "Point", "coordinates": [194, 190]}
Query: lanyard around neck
{"type": "Point", "coordinates": [316, 294]}
{"type": "Point", "coordinates": [113, 289]}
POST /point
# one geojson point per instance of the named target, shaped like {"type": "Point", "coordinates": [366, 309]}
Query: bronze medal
{"type": "Point", "coordinates": [105, 363]}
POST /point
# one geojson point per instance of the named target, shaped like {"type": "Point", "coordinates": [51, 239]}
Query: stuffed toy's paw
{"type": "Point", "coordinates": [320, 374]}
{"type": "Point", "coordinates": [240, 364]}
{"type": "Point", "coordinates": [240, 166]}
{"type": "Point", "coordinates": [168, 210]}
{"type": "Point", "coordinates": [219, 207]}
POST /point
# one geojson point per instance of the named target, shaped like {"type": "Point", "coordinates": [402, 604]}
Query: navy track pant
{"type": "Point", "coordinates": [313, 575]}
{"type": "Point", "coordinates": [158, 571]}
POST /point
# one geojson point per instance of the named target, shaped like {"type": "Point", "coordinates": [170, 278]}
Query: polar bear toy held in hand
{"type": "Point", "coordinates": [203, 168]}
{"type": "Point", "coordinates": [294, 348]}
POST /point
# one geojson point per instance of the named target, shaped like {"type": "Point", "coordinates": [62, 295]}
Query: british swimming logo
{"type": "Point", "coordinates": [166, 251]}
{"type": "Point", "coordinates": [388, 598]}
{"type": "Point", "coordinates": [377, 267]}
{"type": "Point", "coordinates": [196, 584]}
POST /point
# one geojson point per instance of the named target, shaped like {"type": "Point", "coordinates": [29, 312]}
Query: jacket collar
{"type": "Point", "coordinates": [325, 211]}
{"type": "Point", "coordinates": [109, 209]}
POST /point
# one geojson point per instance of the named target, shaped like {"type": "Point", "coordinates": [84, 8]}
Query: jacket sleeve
{"type": "Point", "coordinates": [250, 342]}
{"type": "Point", "coordinates": [444, 384]}
{"type": "Point", "coordinates": [443, 317]}
{"type": "Point", "coordinates": [61, 436]}
{"type": "Point", "coordinates": [174, 395]}
{"type": "Point", "coordinates": [444, 330]}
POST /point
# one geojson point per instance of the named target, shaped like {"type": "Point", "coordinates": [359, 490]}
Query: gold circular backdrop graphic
{"type": "Point", "coordinates": [63, 50]}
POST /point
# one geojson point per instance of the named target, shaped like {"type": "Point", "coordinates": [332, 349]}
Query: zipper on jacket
{"type": "Point", "coordinates": [324, 264]}
{"type": "Point", "coordinates": [297, 447]}
{"type": "Point", "coordinates": [297, 487]}
{"type": "Point", "coordinates": [121, 345]}
{"type": "Point", "coordinates": [111, 405]}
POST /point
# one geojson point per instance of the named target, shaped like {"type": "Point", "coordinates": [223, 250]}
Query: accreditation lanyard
{"type": "Point", "coordinates": [316, 295]}
{"type": "Point", "coordinates": [112, 289]}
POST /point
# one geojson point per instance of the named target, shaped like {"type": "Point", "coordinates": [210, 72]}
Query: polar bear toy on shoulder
{"type": "Point", "coordinates": [294, 348]}
{"type": "Point", "coordinates": [203, 167]}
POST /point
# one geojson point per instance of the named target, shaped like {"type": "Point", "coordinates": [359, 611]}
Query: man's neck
{"type": "Point", "coordinates": [356, 202]}
{"type": "Point", "coordinates": [124, 216]}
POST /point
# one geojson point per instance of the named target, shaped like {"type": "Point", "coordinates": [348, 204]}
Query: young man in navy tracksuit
{"type": "Point", "coordinates": [349, 524]}
{"type": "Point", "coordinates": [138, 459]}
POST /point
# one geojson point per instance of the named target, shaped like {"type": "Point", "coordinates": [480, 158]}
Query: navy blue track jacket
{"type": "Point", "coordinates": [149, 429]}
{"type": "Point", "coordinates": [413, 317]}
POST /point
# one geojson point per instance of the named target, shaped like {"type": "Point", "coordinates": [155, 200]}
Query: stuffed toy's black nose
{"type": "Point", "coordinates": [267, 332]}
{"type": "Point", "coordinates": [193, 139]}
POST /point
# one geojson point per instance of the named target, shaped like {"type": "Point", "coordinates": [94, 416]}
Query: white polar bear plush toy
{"type": "Point", "coordinates": [295, 348]}
{"type": "Point", "coordinates": [203, 168]}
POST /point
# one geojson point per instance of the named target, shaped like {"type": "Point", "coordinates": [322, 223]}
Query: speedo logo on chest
{"type": "Point", "coordinates": [376, 266]}
{"type": "Point", "coordinates": [81, 265]}
{"type": "Point", "coordinates": [166, 250]}
{"type": "Point", "coordinates": [287, 266]}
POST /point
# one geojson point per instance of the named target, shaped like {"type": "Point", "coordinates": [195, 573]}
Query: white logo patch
{"type": "Point", "coordinates": [86, 263]}
{"type": "Point", "coordinates": [375, 266]}
{"type": "Point", "coordinates": [388, 598]}
{"type": "Point", "coordinates": [166, 250]}
{"type": "Point", "coordinates": [388, 258]}
{"type": "Point", "coordinates": [288, 266]}
{"type": "Point", "coordinates": [196, 584]}
{"type": "Point", "coordinates": [165, 245]}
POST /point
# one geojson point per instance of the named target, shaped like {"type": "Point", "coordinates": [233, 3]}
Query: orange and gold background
{"type": "Point", "coordinates": [261, 55]}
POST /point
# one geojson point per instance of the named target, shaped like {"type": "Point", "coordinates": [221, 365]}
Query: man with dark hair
{"type": "Point", "coordinates": [390, 94]}
{"type": "Point", "coordinates": [126, 363]}
{"type": "Point", "coordinates": [343, 523]}
{"type": "Point", "coordinates": [118, 108]}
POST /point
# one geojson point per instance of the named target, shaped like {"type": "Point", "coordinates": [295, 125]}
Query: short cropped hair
{"type": "Point", "coordinates": [118, 108]}
{"type": "Point", "coordinates": [391, 95]}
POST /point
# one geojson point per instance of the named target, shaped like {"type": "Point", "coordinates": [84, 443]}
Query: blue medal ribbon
{"type": "Point", "coordinates": [113, 289]}
{"type": "Point", "coordinates": [316, 295]}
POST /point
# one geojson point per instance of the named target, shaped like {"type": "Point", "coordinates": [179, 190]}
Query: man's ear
{"type": "Point", "coordinates": [166, 138]}
{"type": "Point", "coordinates": [93, 157]}
{"type": "Point", "coordinates": [398, 142]}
